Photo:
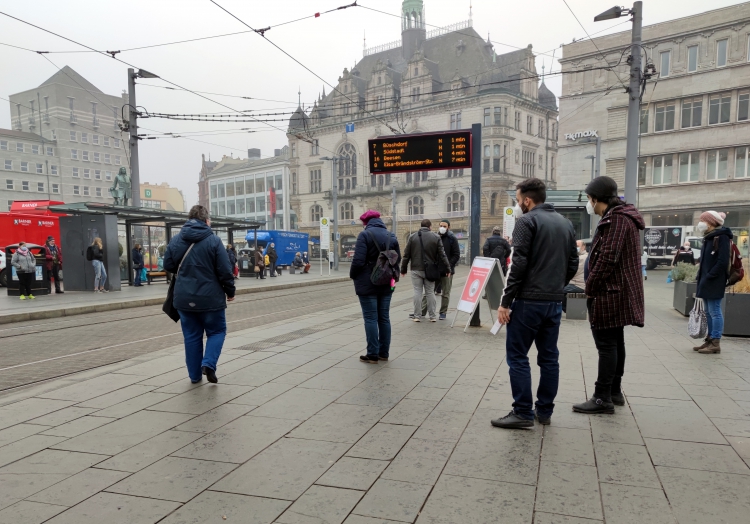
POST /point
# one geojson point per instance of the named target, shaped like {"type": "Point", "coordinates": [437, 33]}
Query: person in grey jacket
{"type": "Point", "coordinates": [453, 252]}
{"type": "Point", "coordinates": [433, 253]}
{"type": "Point", "coordinates": [25, 264]}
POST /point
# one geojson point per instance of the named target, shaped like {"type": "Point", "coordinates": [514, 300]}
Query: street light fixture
{"type": "Point", "coordinates": [611, 14]}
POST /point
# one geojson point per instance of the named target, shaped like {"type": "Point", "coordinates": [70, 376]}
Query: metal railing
{"type": "Point", "coordinates": [430, 34]}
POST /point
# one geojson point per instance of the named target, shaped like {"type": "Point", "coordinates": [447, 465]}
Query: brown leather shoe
{"type": "Point", "coordinates": [714, 347]}
{"type": "Point", "coordinates": [706, 343]}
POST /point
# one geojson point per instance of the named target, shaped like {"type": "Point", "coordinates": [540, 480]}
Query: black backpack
{"type": "Point", "coordinates": [386, 266]}
{"type": "Point", "coordinates": [90, 253]}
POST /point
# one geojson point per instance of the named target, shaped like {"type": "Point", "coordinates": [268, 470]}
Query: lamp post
{"type": "Point", "coordinates": [135, 176]}
{"type": "Point", "coordinates": [334, 202]}
{"type": "Point", "coordinates": [592, 158]}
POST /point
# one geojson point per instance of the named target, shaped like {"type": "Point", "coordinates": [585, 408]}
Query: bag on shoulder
{"type": "Point", "coordinates": [386, 265]}
{"type": "Point", "coordinates": [431, 270]}
{"type": "Point", "coordinates": [90, 253]}
{"type": "Point", "coordinates": [698, 324]}
{"type": "Point", "coordinates": [735, 271]}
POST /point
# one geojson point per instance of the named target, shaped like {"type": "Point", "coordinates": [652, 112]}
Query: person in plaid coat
{"type": "Point", "coordinates": [614, 288]}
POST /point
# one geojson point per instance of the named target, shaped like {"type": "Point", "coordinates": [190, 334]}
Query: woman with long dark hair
{"type": "Point", "coordinates": [614, 288]}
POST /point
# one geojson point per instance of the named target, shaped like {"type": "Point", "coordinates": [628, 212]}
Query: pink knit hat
{"type": "Point", "coordinates": [370, 213]}
{"type": "Point", "coordinates": [713, 218]}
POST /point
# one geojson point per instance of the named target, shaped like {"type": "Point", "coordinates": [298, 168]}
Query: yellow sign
{"type": "Point", "coordinates": [509, 211]}
{"type": "Point", "coordinates": [323, 221]}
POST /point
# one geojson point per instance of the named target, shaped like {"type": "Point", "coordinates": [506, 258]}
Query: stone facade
{"type": "Point", "coordinates": [695, 121]}
{"type": "Point", "coordinates": [429, 81]}
{"type": "Point", "coordinates": [83, 145]}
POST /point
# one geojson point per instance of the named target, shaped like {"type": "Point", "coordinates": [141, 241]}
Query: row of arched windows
{"type": "Point", "coordinates": [414, 206]}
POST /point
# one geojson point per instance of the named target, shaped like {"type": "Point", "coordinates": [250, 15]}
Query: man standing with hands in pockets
{"type": "Point", "coordinates": [544, 259]}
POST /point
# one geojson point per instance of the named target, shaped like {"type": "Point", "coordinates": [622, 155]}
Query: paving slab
{"type": "Point", "coordinates": [404, 500]}
{"type": "Point", "coordinates": [695, 455]}
{"type": "Point", "coordinates": [79, 487]}
{"type": "Point", "coordinates": [18, 432]}
{"type": "Point", "coordinates": [568, 445]}
{"type": "Point", "coordinates": [147, 452]}
{"type": "Point", "coordinates": [215, 418]}
{"type": "Point", "coordinates": [353, 473]}
{"type": "Point", "coordinates": [29, 409]}
{"type": "Point", "coordinates": [625, 464]}
{"type": "Point", "coordinates": [57, 418]}
{"type": "Point", "coordinates": [675, 420]}
{"type": "Point", "coordinates": [26, 512]}
{"type": "Point", "coordinates": [382, 442]}
{"type": "Point", "coordinates": [339, 423]}
{"type": "Point", "coordinates": [213, 506]}
{"type": "Point", "coordinates": [420, 461]}
{"type": "Point", "coordinates": [202, 399]}
{"type": "Point", "coordinates": [113, 508]}
{"type": "Point", "coordinates": [27, 446]}
{"type": "Point", "coordinates": [77, 427]}
{"type": "Point", "coordinates": [262, 394]}
{"type": "Point", "coordinates": [321, 504]}
{"type": "Point", "coordinates": [635, 505]}
{"type": "Point", "coordinates": [550, 518]}
{"type": "Point", "coordinates": [569, 489]}
{"type": "Point", "coordinates": [92, 388]}
{"type": "Point", "coordinates": [298, 403]}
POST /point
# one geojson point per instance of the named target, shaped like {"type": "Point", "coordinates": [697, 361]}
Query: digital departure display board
{"type": "Point", "coordinates": [423, 152]}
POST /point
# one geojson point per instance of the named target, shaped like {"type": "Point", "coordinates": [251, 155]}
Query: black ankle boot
{"type": "Point", "coordinates": [595, 406]}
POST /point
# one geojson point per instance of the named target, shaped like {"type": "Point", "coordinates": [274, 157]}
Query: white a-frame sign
{"type": "Point", "coordinates": [486, 277]}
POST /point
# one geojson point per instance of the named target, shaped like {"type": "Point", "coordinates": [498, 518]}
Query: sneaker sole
{"type": "Point", "coordinates": [516, 425]}
{"type": "Point", "coordinates": [368, 361]}
{"type": "Point", "coordinates": [415, 320]}
{"type": "Point", "coordinates": [602, 412]}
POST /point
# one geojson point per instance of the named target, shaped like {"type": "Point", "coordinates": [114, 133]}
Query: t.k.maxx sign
{"type": "Point", "coordinates": [582, 134]}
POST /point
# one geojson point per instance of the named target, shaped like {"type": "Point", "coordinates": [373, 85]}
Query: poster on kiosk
{"type": "Point", "coordinates": [485, 279]}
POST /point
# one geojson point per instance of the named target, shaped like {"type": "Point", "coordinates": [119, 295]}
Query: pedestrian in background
{"type": "Point", "coordinates": [685, 255]}
{"type": "Point", "coordinates": [578, 283]}
{"type": "Point", "coordinates": [272, 258]}
{"type": "Point", "coordinates": [97, 260]}
{"type": "Point", "coordinates": [712, 275]}
{"type": "Point", "coordinates": [232, 255]}
{"type": "Point", "coordinates": [644, 263]}
{"type": "Point", "coordinates": [260, 265]}
{"type": "Point", "coordinates": [453, 252]}
{"type": "Point", "coordinates": [297, 262]}
{"type": "Point", "coordinates": [497, 247]}
{"type": "Point", "coordinates": [53, 261]}
{"type": "Point", "coordinates": [375, 300]}
{"type": "Point", "coordinates": [137, 256]}
{"type": "Point", "coordinates": [24, 262]}
{"type": "Point", "coordinates": [425, 251]}
{"type": "Point", "coordinates": [544, 260]}
{"type": "Point", "coordinates": [614, 289]}
{"type": "Point", "coordinates": [203, 287]}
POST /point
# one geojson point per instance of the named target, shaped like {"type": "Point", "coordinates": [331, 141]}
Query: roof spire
{"type": "Point", "coordinates": [542, 71]}
{"type": "Point", "coordinates": [364, 42]}
{"type": "Point", "coordinates": [299, 96]}
{"type": "Point", "coordinates": [470, 13]}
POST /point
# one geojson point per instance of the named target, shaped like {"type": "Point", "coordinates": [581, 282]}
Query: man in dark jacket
{"type": "Point", "coordinates": [614, 289]}
{"type": "Point", "coordinates": [374, 300]}
{"type": "Point", "coordinates": [203, 286]}
{"type": "Point", "coordinates": [453, 252]}
{"type": "Point", "coordinates": [272, 258]}
{"type": "Point", "coordinates": [544, 260]}
{"type": "Point", "coordinates": [432, 254]}
{"type": "Point", "coordinates": [137, 255]}
{"type": "Point", "coordinates": [53, 261]}
{"type": "Point", "coordinates": [497, 247]}
{"type": "Point", "coordinates": [712, 275]}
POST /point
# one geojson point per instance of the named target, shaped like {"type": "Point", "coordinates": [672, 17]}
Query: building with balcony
{"type": "Point", "coordinates": [66, 142]}
{"type": "Point", "coordinates": [694, 120]}
{"type": "Point", "coordinates": [448, 78]}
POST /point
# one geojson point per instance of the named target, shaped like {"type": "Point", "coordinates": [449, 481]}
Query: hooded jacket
{"type": "Point", "coordinates": [137, 257]}
{"type": "Point", "coordinates": [366, 253]}
{"type": "Point", "coordinates": [205, 279]}
{"type": "Point", "coordinates": [615, 281]}
{"type": "Point", "coordinates": [712, 272]}
{"type": "Point", "coordinates": [53, 256]}
{"type": "Point", "coordinates": [494, 242]}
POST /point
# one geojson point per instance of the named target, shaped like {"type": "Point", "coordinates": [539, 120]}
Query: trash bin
{"type": "Point", "coordinates": [39, 284]}
{"type": "Point", "coordinates": [247, 268]}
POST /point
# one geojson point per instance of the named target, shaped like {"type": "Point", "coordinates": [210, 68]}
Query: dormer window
{"type": "Point", "coordinates": [416, 71]}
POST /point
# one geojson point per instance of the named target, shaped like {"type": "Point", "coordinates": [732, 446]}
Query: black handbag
{"type": "Point", "coordinates": [168, 306]}
{"type": "Point", "coordinates": [431, 271]}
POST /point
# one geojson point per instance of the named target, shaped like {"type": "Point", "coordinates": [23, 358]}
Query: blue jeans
{"type": "Point", "coordinates": [100, 274]}
{"type": "Point", "coordinates": [194, 324]}
{"type": "Point", "coordinates": [375, 310]}
{"type": "Point", "coordinates": [138, 273]}
{"type": "Point", "coordinates": [715, 317]}
{"type": "Point", "coordinates": [533, 321]}
{"type": "Point", "coordinates": [643, 270]}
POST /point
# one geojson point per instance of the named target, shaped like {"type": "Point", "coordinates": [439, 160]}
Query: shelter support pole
{"type": "Point", "coordinates": [476, 201]}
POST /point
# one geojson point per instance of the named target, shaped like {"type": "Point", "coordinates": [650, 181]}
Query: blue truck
{"type": "Point", "coordinates": [287, 243]}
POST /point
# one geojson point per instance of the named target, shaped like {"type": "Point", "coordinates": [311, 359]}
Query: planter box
{"type": "Point", "coordinates": [736, 315]}
{"type": "Point", "coordinates": [684, 300]}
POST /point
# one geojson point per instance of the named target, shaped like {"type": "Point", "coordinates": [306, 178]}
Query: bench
{"type": "Point", "coordinates": [152, 275]}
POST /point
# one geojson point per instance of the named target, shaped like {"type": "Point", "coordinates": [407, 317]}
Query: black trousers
{"type": "Point", "coordinates": [53, 273]}
{"type": "Point", "coordinates": [610, 343]}
{"type": "Point", "coordinates": [24, 281]}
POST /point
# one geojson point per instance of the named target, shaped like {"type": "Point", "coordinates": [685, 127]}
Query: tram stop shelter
{"type": "Point", "coordinates": [88, 220]}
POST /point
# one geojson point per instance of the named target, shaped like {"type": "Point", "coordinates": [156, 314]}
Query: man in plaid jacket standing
{"type": "Point", "coordinates": [614, 288]}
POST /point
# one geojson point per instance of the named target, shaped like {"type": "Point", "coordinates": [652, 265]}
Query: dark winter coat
{"type": "Point", "coordinates": [434, 252]}
{"type": "Point", "coordinates": [545, 257]}
{"type": "Point", "coordinates": [98, 254]}
{"type": "Point", "coordinates": [499, 246]}
{"type": "Point", "coordinates": [232, 256]}
{"type": "Point", "coordinates": [615, 281]}
{"type": "Point", "coordinates": [137, 258]}
{"type": "Point", "coordinates": [366, 254]}
{"type": "Point", "coordinates": [684, 256]}
{"type": "Point", "coordinates": [205, 279]}
{"type": "Point", "coordinates": [272, 255]}
{"type": "Point", "coordinates": [452, 251]}
{"type": "Point", "coordinates": [53, 256]}
{"type": "Point", "coordinates": [712, 272]}
{"type": "Point", "coordinates": [298, 262]}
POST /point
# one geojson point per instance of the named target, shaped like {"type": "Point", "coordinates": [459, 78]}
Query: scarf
{"type": "Point", "coordinates": [23, 250]}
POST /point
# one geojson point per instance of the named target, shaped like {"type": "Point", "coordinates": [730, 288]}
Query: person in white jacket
{"type": "Point", "coordinates": [644, 261]}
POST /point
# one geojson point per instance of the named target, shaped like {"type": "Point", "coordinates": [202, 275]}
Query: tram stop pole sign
{"type": "Point", "coordinates": [485, 278]}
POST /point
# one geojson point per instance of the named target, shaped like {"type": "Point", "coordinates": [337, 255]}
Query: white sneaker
{"type": "Point", "coordinates": [433, 320]}
{"type": "Point", "coordinates": [416, 319]}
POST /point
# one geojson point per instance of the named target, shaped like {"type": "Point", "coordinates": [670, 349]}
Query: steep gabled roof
{"type": "Point", "coordinates": [67, 76]}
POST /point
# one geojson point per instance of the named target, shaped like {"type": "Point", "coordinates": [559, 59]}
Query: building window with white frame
{"type": "Point", "coordinates": [540, 132]}
{"type": "Point", "coordinates": [3, 145]}
{"type": "Point", "coordinates": [641, 172]}
{"type": "Point", "coordinates": [662, 170]}
{"type": "Point", "coordinates": [86, 173]}
{"type": "Point", "coordinates": [76, 172]}
{"type": "Point", "coordinates": [99, 191]}
{"type": "Point", "coordinates": [741, 162]}
{"type": "Point", "coordinates": [664, 117]}
{"type": "Point", "coordinates": [456, 120]}
{"type": "Point", "coordinates": [85, 156]}
{"type": "Point", "coordinates": [86, 191]}
{"type": "Point", "coordinates": [97, 174]}
{"type": "Point", "coordinates": [9, 165]}
{"type": "Point", "coordinates": [116, 143]}
{"type": "Point", "coordinates": [40, 187]}
{"type": "Point", "coordinates": [692, 110]}
{"type": "Point", "coordinates": [316, 181]}
{"type": "Point", "coordinates": [315, 147]}
{"type": "Point", "coordinates": [692, 52]}
{"type": "Point", "coordinates": [84, 138]}
{"type": "Point", "coordinates": [25, 167]}
{"type": "Point", "coordinates": [529, 125]}
{"type": "Point", "coordinates": [53, 169]}
{"type": "Point", "coordinates": [95, 139]}
{"type": "Point", "coordinates": [108, 175]}
{"type": "Point", "coordinates": [689, 167]}
{"type": "Point", "coordinates": [643, 126]}
{"type": "Point", "coordinates": [517, 122]}
{"type": "Point", "coordinates": [97, 157]}
{"type": "Point", "coordinates": [721, 52]}
{"type": "Point", "coordinates": [415, 206]}
{"type": "Point", "coordinates": [40, 169]}
{"type": "Point", "coordinates": [487, 120]}
{"type": "Point", "coordinates": [717, 162]}
{"type": "Point", "coordinates": [34, 150]}
{"type": "Point", "coordinates": [316, 213]}
{"type": "Point", "coordinates": [9, 184]}
{"type": "Point", "coordinates": [743, 106]}
{"type": "Point", "coordinates": [718, 109]}
{"type": "Point", "coordinates": [19, 147]}
{"type": "Point", "coordinates": [118, 160]}
{"type": "Point", "coordinates": [107, 158]}
{"type": "Point", "coordinates": [347, 211]}
{"type": "Point", "coordinates": [76, 190]}
{"type": "Point", "coordinates": [25, 186]}
{"type": "Point", "coordinates": [56, 188]}
{"type": "Point", "coordinates": [50, 151]}
{"type": "Point", "coordinates": [74, 154]}
{"type": "Point", "coordinates": [455, 202]}
{"type": "Point", "coordinates": [73, 136]}
{"type": "Point", "coordinates": [665, 59]}
{"type": "Point", "coordinates": [498, 119]}
{"type": "Point", "coordinates": [106, 141]}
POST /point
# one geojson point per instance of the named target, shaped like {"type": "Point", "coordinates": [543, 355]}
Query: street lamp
{"type": "Point", "coordinates": [135, 172]}
{"type": "Point", "coordinates": [592, 157]}
{"type": "Point", "coordinates": [334, 202]}
{"type": "Point", "coordinates": [598, 142]}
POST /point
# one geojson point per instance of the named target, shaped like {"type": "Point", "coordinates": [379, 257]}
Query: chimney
{"type": "Point", "coordinates": [277, 152]}
{"type": "Point", "coordinates": [253, 154]}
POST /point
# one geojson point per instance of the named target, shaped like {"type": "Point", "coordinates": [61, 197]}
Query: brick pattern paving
{"type": "Point", "coordinates": [302, 432]}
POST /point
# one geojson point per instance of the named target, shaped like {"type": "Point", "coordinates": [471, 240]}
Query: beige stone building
{"type": "Point", "coordinates": [162, 196]}
{"type": "Point", "coordinates": [427, 81]}
{"type": "Point", "coordinates": [695, 117]}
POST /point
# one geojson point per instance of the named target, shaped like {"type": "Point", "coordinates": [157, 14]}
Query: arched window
{"type": "Point", "coordinates": [316, 213]}
{"type": "Point", "coordinates": [455, 202]}
{"type": "Point", "coordinates": [415, 206]}
{"type": "Point", "coordinates": [347, 166]}
{"type": "Point", "coordinates": [347, 211]}
{"type": "Point", "coordinates": [493, 203]}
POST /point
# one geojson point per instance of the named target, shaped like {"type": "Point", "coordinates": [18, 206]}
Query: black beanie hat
{"type": "Point", "coordinates": [601, 188]}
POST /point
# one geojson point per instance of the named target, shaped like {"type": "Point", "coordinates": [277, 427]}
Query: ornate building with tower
{"type": "Point", "coordinates": [436, 80]}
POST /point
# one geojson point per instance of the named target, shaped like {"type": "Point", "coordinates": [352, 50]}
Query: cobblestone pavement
{"type": "Point", "coordinates": [299, 431]}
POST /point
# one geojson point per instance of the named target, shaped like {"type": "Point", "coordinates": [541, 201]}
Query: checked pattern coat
{"type": "Point", "coordinates": [615, 283]}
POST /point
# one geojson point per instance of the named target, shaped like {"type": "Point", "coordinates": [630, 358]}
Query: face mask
{"type": "Point", "coordinates": [702, 227]}
{"type": "Point", "coordinates": [517, 210]}
{"type": "Point", "coordinates": [590, 208]}
{"type": "Point", "coordinates": [443, 230]}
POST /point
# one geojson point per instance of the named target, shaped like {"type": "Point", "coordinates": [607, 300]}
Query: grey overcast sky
{"type": "Point", "coordinates": [246, 65]}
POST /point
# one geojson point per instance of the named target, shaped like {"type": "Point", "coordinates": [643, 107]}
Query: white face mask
{"type": "Point", "coordinates": [517, 210]}
{"type": "Point", "coordinates": [590, 208]}
{"type": "Point", "coordinates": [702, 227]}
{"type": "Point", "coordinates": [443, 230]}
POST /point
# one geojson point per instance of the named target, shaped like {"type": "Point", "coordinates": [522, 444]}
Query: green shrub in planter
{"type": "Point", "coordinates": [685, 272]}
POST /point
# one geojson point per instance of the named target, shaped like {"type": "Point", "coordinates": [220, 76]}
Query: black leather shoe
{"type": "Point", "coordinates": [210, 375]}
{"type": "Point", "coordinates": [544, 421]}
{"type": "Point", "coordinates": [368, 359]}
{"type": "Point", "coordinates": [512, 421]}
{"type": "Point", "coordinates": [595, 406]}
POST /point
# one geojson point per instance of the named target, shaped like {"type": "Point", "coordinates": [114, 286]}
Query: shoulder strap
{"type": "Point", "coordinates": [183, 259]}
{"type": "Point", "coordinates": [424, 262]}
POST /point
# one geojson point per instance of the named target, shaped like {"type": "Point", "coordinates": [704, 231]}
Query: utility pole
{"type": "Point", "coordinates": [135, 177]}
{"type": "Point", "coordinates": [634, 107]}
{"type": "Point", "coordinates": [335, 200]}
{"type": "Point", "coordinates": [476, 202]}
{"type": "Point", "coordinates": [44, 152]}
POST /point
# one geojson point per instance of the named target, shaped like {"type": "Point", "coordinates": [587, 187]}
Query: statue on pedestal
{"type": "Point", "coordinates": [121, 188]}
